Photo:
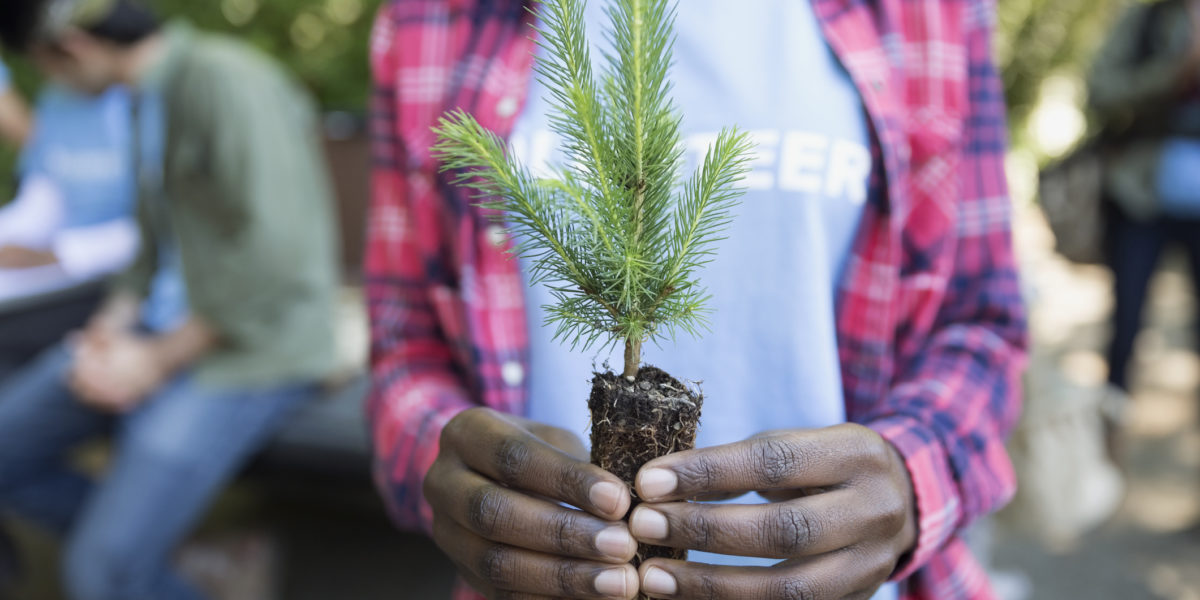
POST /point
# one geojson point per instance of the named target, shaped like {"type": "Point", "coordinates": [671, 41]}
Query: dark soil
{"type": "Point", "coordinates": [634, 423]}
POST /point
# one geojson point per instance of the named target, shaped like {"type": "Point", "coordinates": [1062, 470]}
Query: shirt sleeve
{"type": "Point", "coordinates": [953, 404]}
{"type": "Point", "coordinates": [415, 388]}
{"type": "Point", "coordinates": [268, 211]}
{"type": "Point", "coordinates": [34, 215]}
{"type": "Point", "coordinates": [98, 250]}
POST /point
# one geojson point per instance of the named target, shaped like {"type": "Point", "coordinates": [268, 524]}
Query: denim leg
{"type": "Point", "coordinates": [40, 422]}
{"type": "Point", "coordinates": [172, 457]}
{"type": "Point", "coordinates": [1134, 251]}
{"type": "Point", "coordinates": [1187, 232]}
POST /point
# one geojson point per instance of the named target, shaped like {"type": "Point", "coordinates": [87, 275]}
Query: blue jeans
{"type": "Point", "coordinates": [171, 457]}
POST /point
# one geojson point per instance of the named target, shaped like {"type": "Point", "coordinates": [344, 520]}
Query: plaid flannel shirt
{"type": "Point", "coordinates": [931, 329]}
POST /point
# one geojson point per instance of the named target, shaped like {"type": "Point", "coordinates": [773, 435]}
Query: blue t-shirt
{"type": "Point", "coordinates": [5, 78]}
{"type": "Point", "coordinates": [85, 145]}
{"type": "Point", "coordinates": [82, 144]}
{"type": "Point", "coordinates": [771, 359]}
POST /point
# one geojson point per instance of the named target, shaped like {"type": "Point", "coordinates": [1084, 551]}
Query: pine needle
{"type": "Point", "coordinates": [614, 234]}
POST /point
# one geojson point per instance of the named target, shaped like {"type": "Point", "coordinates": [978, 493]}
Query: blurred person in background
{"type": "Point", "coordinates": [867, 277]}
{"type": "Point", "coordinates": [70, 224]}
{"type": "Point", "coordinates": [1144, 88]}
{"type": "Point", "coordinates": [237, 197]}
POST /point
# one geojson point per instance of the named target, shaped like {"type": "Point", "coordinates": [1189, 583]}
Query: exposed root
{"type": "Point", "coordinates": [636, 422]}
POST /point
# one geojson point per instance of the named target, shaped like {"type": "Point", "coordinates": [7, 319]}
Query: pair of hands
{"type": "Point", "coordinates": [840, 517]}
{"type": "Point", "coordinates": [21, 257]}
{"type": "Point", "coordinates": [115, 369]}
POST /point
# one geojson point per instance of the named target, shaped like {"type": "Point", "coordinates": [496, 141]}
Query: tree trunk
{"type": "Point", "coordinates": [633, 358]}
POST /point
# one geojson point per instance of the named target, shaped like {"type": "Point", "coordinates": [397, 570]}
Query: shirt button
{"type": "Point", "coordinates": [496, 236]}
{"type": "Point", "coordinates": [507, 107]}
{"type": "Point", "coordinates": [513, 373]}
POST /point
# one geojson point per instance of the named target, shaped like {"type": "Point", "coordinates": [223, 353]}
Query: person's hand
{"type": "Point", "coordinates": [841, 516]}
{"type": "Point", "coordinates": [115, 371]}
{"type": "Point", "coordinates": [118, 314]}
{"type": "Point", "coordinates": [21, 257]}
{"type": "Point", "coordinates": [496, 489]}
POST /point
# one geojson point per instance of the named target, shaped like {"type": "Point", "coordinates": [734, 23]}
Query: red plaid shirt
{"type": "Point", "coordinates": [931, 330]}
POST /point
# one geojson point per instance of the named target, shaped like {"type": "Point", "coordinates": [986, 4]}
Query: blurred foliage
{"type": "Point", "coordinates": [1038, 39]}
{"type": "Point", "coordinates": [324, 42]}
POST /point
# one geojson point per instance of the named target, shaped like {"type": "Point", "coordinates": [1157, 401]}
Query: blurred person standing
{"type": "Point", "coordinates": [1144, 88]}
{"type": "Point", "coordinates": [241, 202]}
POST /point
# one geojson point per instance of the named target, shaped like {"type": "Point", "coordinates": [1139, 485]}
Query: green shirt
{"type": "Point", "coordinates": [248, 205]}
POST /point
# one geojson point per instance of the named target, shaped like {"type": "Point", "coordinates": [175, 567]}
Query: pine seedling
{"type": "Point", "coordinates": [613, 233]}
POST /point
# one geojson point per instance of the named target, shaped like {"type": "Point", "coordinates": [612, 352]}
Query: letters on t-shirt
{"type": "Point", "coordinates": [813, 164]}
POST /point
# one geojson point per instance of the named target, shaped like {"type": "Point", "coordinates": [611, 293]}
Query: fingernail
{"type": "Point", "coordinates": [615, 542]}
{"type": "Point", "coordinates": [658, 581]}
{"type": "Point", "coordinates": [648, 524]}
{"type": "Point", "coordinates": [606, 496]}
{"type": "Point", "coordinates": [655, 483]}
{"type": "Point", "coordinates": [612, 583]}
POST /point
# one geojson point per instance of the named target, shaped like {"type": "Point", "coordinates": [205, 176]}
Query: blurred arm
{"type": "Point", "coordinates": [953, 404]}
{"type": "Point", "coordinates": [118, 313]}
{"type": "Point", "coordinates": [15, 120]}
{"type": "Point", "coordinates": [34, 215]}
{"type": "Point", "coordinates": [95, 251]}
{"type": "Point", "coordinates": [184, 345]}
{"type": "Point", "coordinates": [171, 351]}
{"type": "Point", "coordinates": [415, 388]}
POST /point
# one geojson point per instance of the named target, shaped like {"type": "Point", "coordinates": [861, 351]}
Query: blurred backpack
{"type": "Point", "coordinates": [1071, 193]}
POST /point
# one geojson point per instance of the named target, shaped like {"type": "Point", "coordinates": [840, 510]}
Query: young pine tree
{"type": "Point", "coordinates": [614, 235]}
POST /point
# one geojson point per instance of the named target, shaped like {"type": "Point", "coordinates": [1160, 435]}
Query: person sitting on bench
{"type": "Point", "coordinates": [241, 200]}
{"type": "Point", "coordinates": [71, 222]}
